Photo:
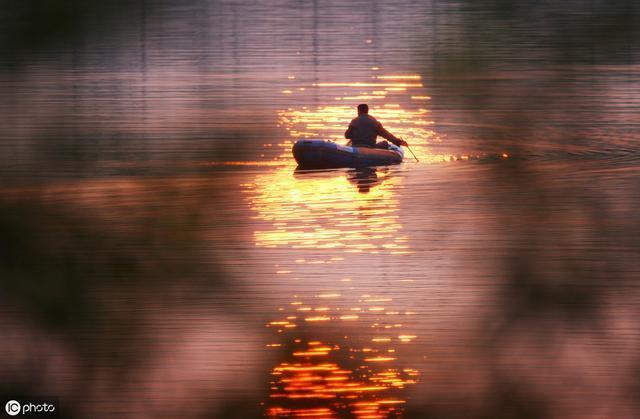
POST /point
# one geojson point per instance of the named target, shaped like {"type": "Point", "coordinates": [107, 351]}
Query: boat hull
{"type": "Point", "coordinates": [321, 154]}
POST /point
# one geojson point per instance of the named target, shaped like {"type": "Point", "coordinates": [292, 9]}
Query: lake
{"type": "Point", "coordinates": [162, 256]}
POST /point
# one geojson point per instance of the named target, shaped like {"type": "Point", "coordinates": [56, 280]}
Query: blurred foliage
{"type": "Point", "coordinates": [89, 267]}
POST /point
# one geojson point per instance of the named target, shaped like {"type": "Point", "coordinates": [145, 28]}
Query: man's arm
{"type": "Point", "coordinates": [388, 136]}
{"type": "Point", "coordinates": [349, 132]}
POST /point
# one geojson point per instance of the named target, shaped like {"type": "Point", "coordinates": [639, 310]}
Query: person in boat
{"type": "Point", "coordinates": [364, 129]}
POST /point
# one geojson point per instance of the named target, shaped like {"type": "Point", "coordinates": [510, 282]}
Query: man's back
{"type": "Point", "coordinates": [363, 131]}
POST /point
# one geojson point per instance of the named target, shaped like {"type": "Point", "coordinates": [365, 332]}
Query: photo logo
{"type": "Point", "coordinates": [12, 408]}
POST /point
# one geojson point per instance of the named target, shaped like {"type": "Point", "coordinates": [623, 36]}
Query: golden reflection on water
{"type": "Point", "coordinates": [354, 373]}
{"type": "Point", "coordinates": [358, 209]}
{"type": "Point", "coordinates": [325, 210]}
{"type": "Point", "coordinates": [398, 101]}
{"type": "Point", "coordinates": [340, 354]}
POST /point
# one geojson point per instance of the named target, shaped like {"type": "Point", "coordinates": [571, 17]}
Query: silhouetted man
{"type": "Point", "coordinates": [364, 130]}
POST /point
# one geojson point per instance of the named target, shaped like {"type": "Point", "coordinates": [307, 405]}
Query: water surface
{"type": "Point", "coordinates": [165, 258]}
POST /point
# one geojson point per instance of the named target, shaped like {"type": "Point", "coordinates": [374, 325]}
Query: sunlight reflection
{"type": "Point", "coordinates": [353, 376]}
{"type": "Point", "coordinates": [340, 352]}
{"type": "Point", "coordinates": [324, 210]}
{"type": "Point", "coordinates": [398, 101]}
{"type": "Point", "coordinates": [407, 119]}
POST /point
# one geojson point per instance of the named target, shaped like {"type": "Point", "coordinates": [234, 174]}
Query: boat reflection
{"type": "Point", "coordinates": [364, 178]}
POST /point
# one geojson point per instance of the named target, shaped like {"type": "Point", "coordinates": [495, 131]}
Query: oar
{"type": "Point", "coordinates": [414, 156]}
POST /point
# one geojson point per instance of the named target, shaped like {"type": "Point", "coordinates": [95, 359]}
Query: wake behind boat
{"type": "Point", "coordinates": [322, 154]}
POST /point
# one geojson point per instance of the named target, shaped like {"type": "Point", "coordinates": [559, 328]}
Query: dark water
{"type": "Point", "coordinates": [161, 256]}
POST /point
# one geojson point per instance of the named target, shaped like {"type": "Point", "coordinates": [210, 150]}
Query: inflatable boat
{"type": "Point", "coordinates": [321, 154]}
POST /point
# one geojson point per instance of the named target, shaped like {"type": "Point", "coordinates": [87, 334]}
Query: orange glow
{"type": "Point", "coordinates": [364, 84]}
{"type": "Point", "coordinates": [328, 295]}
{"type": "Point", "coordinates": [318, 319]}
{"type": "Point", "coordinates": [363, 97]}
{"type": "Point", "coordinates": [367, 390]}
{"type": "Point", "coordinates": [409, 77]}
{"type": "Point", "coordinates": [407, 337]}
{"type": "Point", "coordinates": [311, 353]}
{"type": "Point", "coordinates": [312, 203]}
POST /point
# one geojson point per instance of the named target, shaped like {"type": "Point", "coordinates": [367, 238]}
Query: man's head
{"type": "Point", "coordinates": [363, 109]}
